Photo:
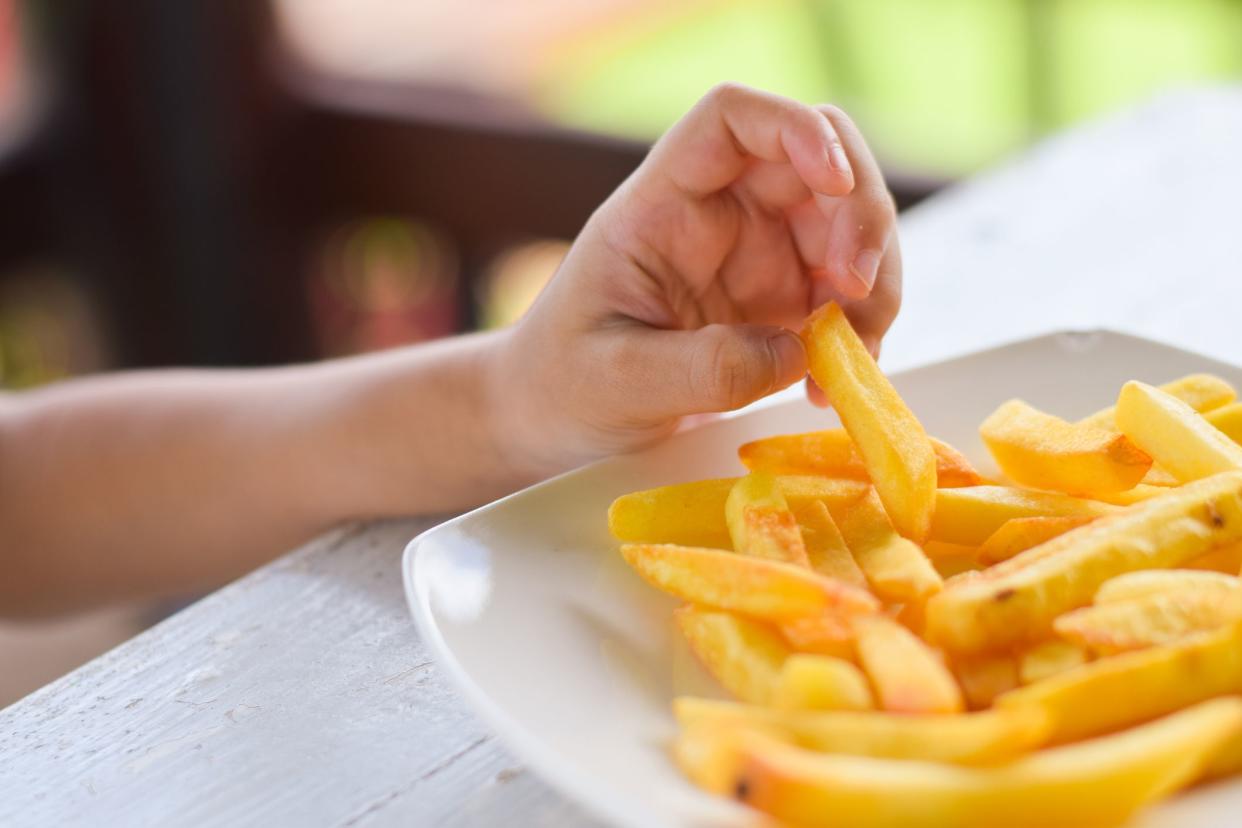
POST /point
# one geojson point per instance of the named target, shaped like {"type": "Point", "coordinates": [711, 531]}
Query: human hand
{"type": "Point", "coordinates": [680, 293]}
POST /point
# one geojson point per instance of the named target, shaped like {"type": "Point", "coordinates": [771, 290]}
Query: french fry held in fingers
{"type": "Point", "coordinates": [895, 566]}
{"type": "Point", "coordinates": [746, 657]}
{"type": "Point", "coordinates": [1155, 618]}
{"type": "Point", "coordinates": [817, 682]}
{"type": "Point", "coordinates": [1015, 601]}
{"type": "Point", "coordinates": [1119, 691]}
{"type": "Point", "coordinates": [693, 514]}
{"type": "Point", "coordinates": [826, 550]}
{"type": "Point", "coordinates": [761, 589]}
{"type": "Point", "coordinates": [971, 514]}
{"type": "Point", "coordinates": [1202, 392]}
{"type": "Point", "coordinates": [908, 676]}
{"type": "Point", "coordinates": [1020, 534]}
{"type": "Point", "coordinates": [969, 739]}
{"type": "Point", "coordinates": [894, 448]}
{"type": "Point", "coordinates": [1149, 582]}
{"type": "Point", "coordinates": [1045, 452]}
{"type": "Point", "coordinates": [1174, 434]}
{"type": "Point", "coordinates": [1099, 782]}
{"type": "Point", "coordinates": [831, 453]}
{"type": "Point", "coordinates": [760, 522]}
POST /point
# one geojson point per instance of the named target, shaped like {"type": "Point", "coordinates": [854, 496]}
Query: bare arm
{"type": "Point", "coordinates": [165, 481]}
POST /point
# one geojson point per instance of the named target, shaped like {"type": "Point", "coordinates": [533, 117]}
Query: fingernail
{"type": "Point", "coordinates": [865, 266]}
{"type": "Point", "coordinates": [790, 357]}
{"type": "Point", "coordinates": [837, 159]}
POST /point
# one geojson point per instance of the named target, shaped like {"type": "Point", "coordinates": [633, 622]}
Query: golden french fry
{"type": "Point", "coordinates": [1020, 534]}
{"type": "Point", "coordinates": [1157, 476]}
{"type": "Point", "coordinates": [831, 453]}
{"type": "Point", "coordinates": [817, 682]}
{"type": "Point", "coordinates": [745, 656]}
{"type": "Point", "coordinates": [952, 559]}
{"type": "Point", "coordinates": [762, 589]}
{"type": "Point", "coordinates": [1118, 691]}
{"type": "Point", "coordinates": [983, 678]}
{"type": "Point", "coordinates": [711, 756]}
{"type": "Point", "coordinates": [1155, 618]}
{"type": "Point", "coordinates": [898, 457]}
{"type": "Point", "coordinates": [1227, 418]}
{"type": "Point", "coordinates": [693, 514]}
{"type": "Point", "coordinates": [1045, 452]}
{"type": "Point", "coordinates": [894, 566]}
{"type": "Point", "coordinates": [969, 515]}
{"type": "Point", "coordinates": [826, 549]}
{"type": "Point", "coordinates": [1202, 392]}
{"type": "Point", "coordinates": [1049, 659]}
{"type": "Point", "coordinates": [760, 522]}
{"type": "Point", "coordinates": [1141, 492]}
{"type": "Point", "coordinates": [1099, 782]}
{"type": "Point", "coordinates": [1174, 434]}
{"type": "Point", "coordinates": [1226, 559]}
{"type": "Point", "coordinates": [908, 676]}
{"type": "Point", "coordinates": [968, 739]}
{"type": "Point", "coordinates": [1148, 582]}
{"type": "Point", "coordinates": [1015, 601]}
{"type": "Point", "coordinates": [824, 635]}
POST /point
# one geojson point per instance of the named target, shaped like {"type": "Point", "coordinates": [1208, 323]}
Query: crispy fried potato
{"type": "Point", "coordinates": [1148, 582]}
{"type": "Point", "coordinates": [908, 676]}
{"type": "Point", "coordinates": [894, 447]}
{"type": "Point", "coordinates": [1118, 691]}
{"type": "Point", "coordinates": [1049, 659]}
{"type": "Point", "coordinates": [983, 678]}
{"type": "Point", "coordinates": [826, 549]}
{"type": "Point", "coordinates": [969, 515]}
{"type": "Point", "coordinates": [827, 635]}
{"type": "Point", "coordinates": [1156, 618]}
{"type": "Point", "coordinates": [831, 453]}
{"type": "Point", "coordinates": [1020, 534]}
{"type": "Point", "coordinates": [1100, 782]}
{"type": "Point", "coordinates": [968, 739]}
{"type": "Point", "coordinates": [760, 522]}
{"type": "Point", "coordinates": [762, 589]}
{"type": "Point", "coordinates": [1174, 434]}
{"type": "Point", "coordinates": [745, 656]}
{"type": "Point", "coordinates": [1045, 452]}
{"type": "Point", "coordinates": [1202, 392]}
{"type": "Point", "coordinates": [816, 682]}
{"type": "Point", "coordinates": [1015, 601]}
{"type": "Point", "coordinates": [895, 567]}
{"type": "Point", "coordinates": [693, 514]}
{"type": "Point", "coordinates": [1228, 419]}
{"type": "Point", "coordinates": [1226, 559]}
{"type": "Point", "coordinates": [1141, 492]}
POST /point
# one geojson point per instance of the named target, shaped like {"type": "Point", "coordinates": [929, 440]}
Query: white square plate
{"type": "Point", "coordinates": [562, 649]}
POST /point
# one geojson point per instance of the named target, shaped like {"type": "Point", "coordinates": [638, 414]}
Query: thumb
{"type": "Point", "coordinates": [716, 368]}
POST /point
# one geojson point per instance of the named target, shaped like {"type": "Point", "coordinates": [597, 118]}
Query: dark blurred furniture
{"type": "Point", "coordinates": [184, 161]}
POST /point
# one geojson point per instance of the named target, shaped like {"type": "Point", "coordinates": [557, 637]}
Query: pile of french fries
{"type": "Point", "coordinates": [911, 644]}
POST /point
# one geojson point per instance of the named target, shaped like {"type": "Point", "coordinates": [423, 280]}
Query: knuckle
{"type": "Point", "coordinates": [725, 373]}
{"type": "Point", "coordinates": [834, 113]}
{"type": "Point", "coordinates": [725, 91]}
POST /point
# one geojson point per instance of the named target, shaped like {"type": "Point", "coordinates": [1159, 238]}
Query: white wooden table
{"type": "Point", "coordinates": [301, 695]}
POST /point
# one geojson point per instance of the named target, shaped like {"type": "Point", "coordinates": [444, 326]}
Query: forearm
{"type": "Point", "coordinates": [163, 482]}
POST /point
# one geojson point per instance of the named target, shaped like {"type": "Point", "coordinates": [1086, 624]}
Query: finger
{"type": "Point", "coordinates": [774, 186]}
{"type": "Point", "coordinates": [861, 227]}
{"type": "Point", "coordinates": [815, 394]}
{"type": "Point", "coordinates": [714, 368]}
{"type": "Point", "coordinates": [873, 316]}
{"type": "Point", "coordinates": [709, 148]}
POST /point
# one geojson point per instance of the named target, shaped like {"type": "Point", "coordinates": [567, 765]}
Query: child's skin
{"type": "Point", "coordinates": [676, 299]}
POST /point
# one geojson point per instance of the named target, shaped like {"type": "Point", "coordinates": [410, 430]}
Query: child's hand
{"type": "Point", "coordinates": [678, 296]}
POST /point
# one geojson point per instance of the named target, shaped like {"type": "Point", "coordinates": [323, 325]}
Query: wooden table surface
{"type": "Point", "coordinates": [301, 695]}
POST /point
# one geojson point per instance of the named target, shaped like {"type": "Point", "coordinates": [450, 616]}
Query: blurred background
{"type": "Point", "coordinates": [240, 182]}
